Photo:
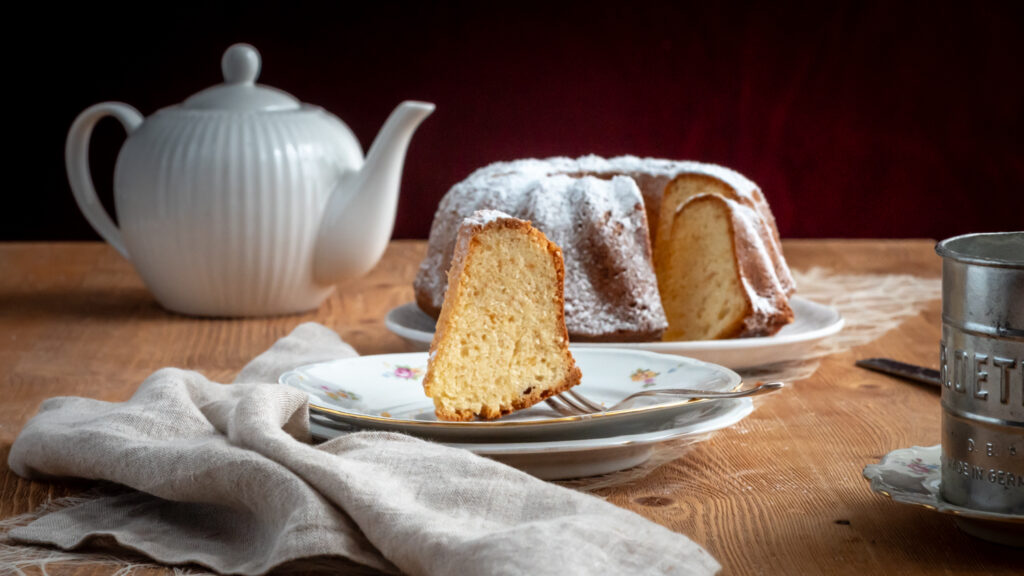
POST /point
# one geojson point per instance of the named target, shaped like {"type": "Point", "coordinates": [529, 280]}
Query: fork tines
{"type": "Point", "coordinates": [569, 403]}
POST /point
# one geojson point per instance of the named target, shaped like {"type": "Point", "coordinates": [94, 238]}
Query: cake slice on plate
{"type": "Point", "coordinates": [501, 344]}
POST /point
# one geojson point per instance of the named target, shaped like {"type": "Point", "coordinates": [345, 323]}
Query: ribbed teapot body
{"type": "Point", "coordinates": [219, 211]}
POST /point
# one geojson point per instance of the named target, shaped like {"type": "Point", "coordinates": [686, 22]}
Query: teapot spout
{"type": "Point", "coordinates": [360, 213]}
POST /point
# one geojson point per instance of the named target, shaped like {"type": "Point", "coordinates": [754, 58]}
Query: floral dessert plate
{"type": "Point", "coordinates": [563, 459]}
{"type": "Point", "coordinates": [913, 476]}
{"type": "Point", "coordinates": [385, 392]}
{"type": "Point", "coordinates": [812, 323]}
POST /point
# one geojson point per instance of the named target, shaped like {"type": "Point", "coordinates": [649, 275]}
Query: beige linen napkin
{"type": "Point", "coordinates": [224, 477]}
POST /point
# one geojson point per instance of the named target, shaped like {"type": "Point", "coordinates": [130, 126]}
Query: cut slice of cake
{"type": "Point", "coordinates": [718, 280]}
{"type": "Point", "coordinates": [501, 343]}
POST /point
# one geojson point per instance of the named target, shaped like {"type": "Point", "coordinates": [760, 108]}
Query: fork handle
{"type": "Point", "coordinates": [760, 388]}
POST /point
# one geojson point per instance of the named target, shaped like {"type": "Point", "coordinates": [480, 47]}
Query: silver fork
{"type": "Point", "coordinates": [572, 403]}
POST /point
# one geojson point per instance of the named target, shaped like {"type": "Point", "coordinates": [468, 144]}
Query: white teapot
{"type": "Point", "coordinates": [242, 201]}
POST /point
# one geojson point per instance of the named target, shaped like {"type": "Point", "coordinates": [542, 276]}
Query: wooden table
{"type": "Point", "coordinates": [781, 494]}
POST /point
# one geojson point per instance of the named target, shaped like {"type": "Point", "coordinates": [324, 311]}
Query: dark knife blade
{"type": "Point", "coordinates": [902, 370]}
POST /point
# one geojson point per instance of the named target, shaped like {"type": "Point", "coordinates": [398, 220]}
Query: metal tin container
{"type": "Point", "coordinates": [982, 370]}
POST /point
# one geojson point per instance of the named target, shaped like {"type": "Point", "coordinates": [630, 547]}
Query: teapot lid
{"type": "Point", "coordinates": [239, 92]}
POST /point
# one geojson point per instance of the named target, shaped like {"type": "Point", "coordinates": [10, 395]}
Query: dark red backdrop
{"type": "Point", "coordinates": [858, 120]}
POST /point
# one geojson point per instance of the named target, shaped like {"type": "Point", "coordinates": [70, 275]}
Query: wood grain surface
{"type": "Point", "coordinates": [780, 493]}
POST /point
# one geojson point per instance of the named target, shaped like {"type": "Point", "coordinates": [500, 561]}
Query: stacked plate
{"type": "Point", "coordinates": [385, 392]}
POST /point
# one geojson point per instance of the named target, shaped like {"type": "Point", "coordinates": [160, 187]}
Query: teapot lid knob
{"type": "Point", "coordinates": [240, 92]}
{"type": "Point", "coordinates": [240, 64]}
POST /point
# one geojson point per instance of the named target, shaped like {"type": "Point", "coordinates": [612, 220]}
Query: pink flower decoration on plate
{"type": "Point", "coordinates": [403, 372]}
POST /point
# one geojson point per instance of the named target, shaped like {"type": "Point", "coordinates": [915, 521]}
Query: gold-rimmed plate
{"type": "Point", "coordinates": [385, 392]}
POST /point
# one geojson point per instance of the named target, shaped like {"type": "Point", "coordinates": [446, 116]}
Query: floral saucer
{"type": "Point", "coordinates": [913, 476]}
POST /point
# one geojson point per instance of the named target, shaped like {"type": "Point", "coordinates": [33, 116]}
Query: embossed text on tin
{"type": "Point", "coordinates": [992, 475]}
{"type": "Point", "coordinates": [965, 372]}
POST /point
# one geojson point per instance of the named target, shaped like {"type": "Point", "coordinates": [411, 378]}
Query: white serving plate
{"type": "Point", "coordinates": [812, 323]}
{"type": "Point", "coordinates": [563, 459]}
{"type": "Point", "coordinates": [385, 392]}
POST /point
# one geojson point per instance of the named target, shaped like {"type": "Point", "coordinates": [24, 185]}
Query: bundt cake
{"type": "Point", "coordinates": [501, 343]}
{"type": "Point", "coordinates": [607, 214]}
{"type": "Point", "coordinates": [714, 275]}
{"type": "Point", "coordinates": [611, 292]}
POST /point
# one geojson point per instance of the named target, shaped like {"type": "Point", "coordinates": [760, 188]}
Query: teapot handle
{"type": "Point", "coordinates": [76, 157]}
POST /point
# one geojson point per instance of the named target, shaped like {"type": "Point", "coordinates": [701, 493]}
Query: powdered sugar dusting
{"type": "Point", "coordinates": [485, 217]}
{"type": "Point", "coordinates": [613, 287]}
